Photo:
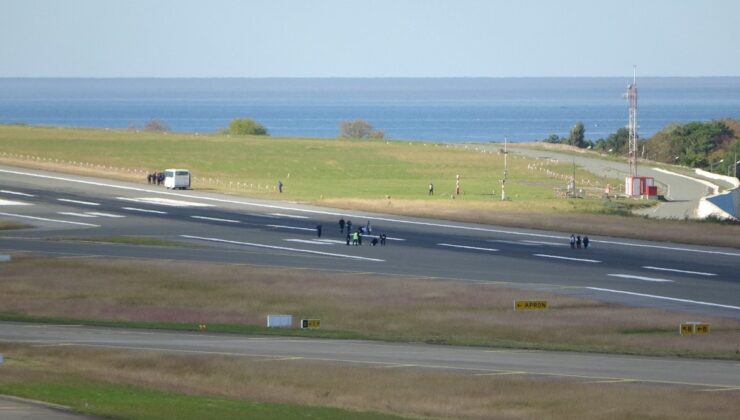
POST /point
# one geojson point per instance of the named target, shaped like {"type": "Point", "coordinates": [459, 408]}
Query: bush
{"type": "Point", "coordinates": [156, 125]}
{"type": "Point", "coordinates": [359, 129]}
{"type": "Point", "coordinates": [246, 126]}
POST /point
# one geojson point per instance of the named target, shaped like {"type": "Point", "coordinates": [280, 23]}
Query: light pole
{"type": "Point", "coordinates": [506, 167]}
{"type": "Point", "coordinates": [711, 164]}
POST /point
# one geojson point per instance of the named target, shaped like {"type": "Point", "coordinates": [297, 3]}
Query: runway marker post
{"type": "Point", "coordinates": [310, 323]}
{"type": "Point", "coordinates": [693, 327]}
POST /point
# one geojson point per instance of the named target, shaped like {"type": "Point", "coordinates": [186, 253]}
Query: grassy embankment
{"type": "Point", "coordinates": [356, 175]}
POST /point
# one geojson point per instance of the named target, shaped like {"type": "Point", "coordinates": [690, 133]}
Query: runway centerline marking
{"type": "Point", "coordinates": [84, 203]}
{"type": "Point", "coordinates": [289, 215]}
{"type": "Point", "coordinates": [630, 276]}
{"type": "Point", "coordinates": [388, 238]}
{"type": "Point", "coordinates": [476, 248]}
{"type": "Point", "coordinates": [144, 210]}
{"type": "Point", "coordinates": [71, 213]}
{"type": "Point", "coordinates": [16, 193]}
{"type": "Point", "coordinates": [101, 214]}
{"type": "Point", "coordinates": [358, 216]}
{"type": "Point", "coordinates": [291, 227]}
{"type": "Point", "coordinates": [566, 258]}
{"type": "Point", "coordinates": [22, 216]}
{"type": "Point", "coordinates": [698, 273]}
{"type": "Point", "coordinates": [12, 203]}
{"type": "Point", "coordinates": [544, 243]}
{"type": "Point", "coordinates": [309, 241]}
{"type": "Point", "coordinates": [215, 219]}
{"type": "Point", "coordinates": [165, 202]}
{"type": "Point", "coordinates": [503, 241]}
{"type": "Point", "coordinates": [282, 248]}
{"type": "Point", "coordinates": [696, 302]}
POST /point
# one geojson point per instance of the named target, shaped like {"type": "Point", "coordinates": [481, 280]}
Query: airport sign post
{"type": "Point", "coordinates": [689, 328]}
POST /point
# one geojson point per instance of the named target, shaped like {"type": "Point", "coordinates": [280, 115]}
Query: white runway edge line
{"type": "Point", "coordinates": [630, 276]}
{"type": "Point", "coordinates": [22, 216]}
{"type": "Point", "coordinates": [215, 219]}
{"type": "Point", "coordinates": [696, 302]}
{"type": "Point", "coordinates": [698, 273]}
{"type": "Point", "coordinates": [282, 248]}
{"type": "Point", "coordinates": [17, 193]}
{"type": "Point", "coordinates": [84, 203]}
{"type": "Point", "coordinates": [476, 248]}
{"type": "Point", "coordinates": [144, 210]}
{"type": "Point", "coordinates": [289, 215]}
{"type": "Point", "coordinates": [356, 215]}
{"type": "Point", "coordinates": [567, 258]}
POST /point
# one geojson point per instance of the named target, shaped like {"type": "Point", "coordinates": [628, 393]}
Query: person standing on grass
{"type": "Point", "coordinates": [341, 225]}
{"type": "Point", "coordinates": [585, 241]}
{"type": "Point", "coordinates": [431, 189]}
{"type": "Point", "coordinates": [280, 186]}
{"type": "Point", "coordinates": [572, 241]}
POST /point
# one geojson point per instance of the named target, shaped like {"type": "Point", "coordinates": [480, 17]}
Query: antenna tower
{"type": "Point", "coordinates": [632, 99]}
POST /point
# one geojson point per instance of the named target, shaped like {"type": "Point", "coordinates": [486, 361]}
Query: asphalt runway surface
{"type": "Point", "coordinates": [228, 229]}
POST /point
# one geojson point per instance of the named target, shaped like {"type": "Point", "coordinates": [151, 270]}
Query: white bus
{"type": "Point", "coordinates": [177, 179]}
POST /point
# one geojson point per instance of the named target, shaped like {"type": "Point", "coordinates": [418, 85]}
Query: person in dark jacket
{"type": "Point", "coordinates": [585, 241]}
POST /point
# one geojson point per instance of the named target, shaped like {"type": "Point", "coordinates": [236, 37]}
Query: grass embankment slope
{"type": "Point", "coordinates": [357, 174]}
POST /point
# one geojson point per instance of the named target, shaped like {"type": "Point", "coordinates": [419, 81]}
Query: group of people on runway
{"type": "Point", "coordinates": [576, 241]}
{"type": "Point", "coordinates": [355, 238]}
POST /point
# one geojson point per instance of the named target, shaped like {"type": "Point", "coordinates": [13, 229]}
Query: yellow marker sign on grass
{"type": "Point", "coordinates": [688, 328]}
{"type": "Point", "coordinates": [310, 323]}
{"type": "Point", "coordinates": [530, 305]}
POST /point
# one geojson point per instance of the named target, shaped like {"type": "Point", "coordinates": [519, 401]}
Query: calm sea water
{"type": "Point", "coordinates": [453, 110]}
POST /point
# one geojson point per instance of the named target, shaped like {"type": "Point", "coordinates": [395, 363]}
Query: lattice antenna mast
{"type": "Point", "coordinates": [632, 99]}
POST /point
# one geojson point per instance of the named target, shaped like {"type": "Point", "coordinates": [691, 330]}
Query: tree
{"type": "Point", "coordinates": [245, 127]}
{"type": "Point", "coordinates": [156, 125]}
{"type": "Point", "coordinates": [359, 129]}
{"type": "Point", "coordinates": [695, 144]}
{"type": "Point", "coordinates": [577, 135]}
{"type": "Point", "coordinates": [616, 143]}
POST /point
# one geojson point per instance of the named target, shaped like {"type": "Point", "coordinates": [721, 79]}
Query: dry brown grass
{"type": "Point", "coordinates": [412, 392]}
{"type": "Point", "coordinates": [398, 308]}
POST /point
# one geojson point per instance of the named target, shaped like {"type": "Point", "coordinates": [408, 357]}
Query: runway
{"type": "Point", "coordinates": [702, 280]}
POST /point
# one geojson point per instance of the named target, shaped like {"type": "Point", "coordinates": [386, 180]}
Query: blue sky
{"type": "Point", "coordinates": [380, 38]}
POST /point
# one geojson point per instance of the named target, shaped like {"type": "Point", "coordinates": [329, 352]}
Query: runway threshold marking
{"type": "Point", "coordinates": [84, 203]}
{"type": "Point", "coordinates": [475, 248]}
{"type": "Point", "coordinates": [282, 248]}
{"type": "Point", "coordinates": [16, 193]}
{"type": "Point", "coordinates": [567, 258]}
{"type": "Point", "coordinates": [23, 216]}
{"type": "Point", "coordinates": [698, 273]}
{"type": "Point", "coordinates": [630, 276]}
{"type": "Point", "coordinates": [144, 210]}
{"type": "Point", "coordinates": [215, 219]}
{"type": "Point", "coordinates": [359, 216]}
{"type": "Point", "coordinates": [696, 302]}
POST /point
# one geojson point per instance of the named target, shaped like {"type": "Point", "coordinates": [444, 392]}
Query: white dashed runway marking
{"type": "Point", "coordinates": [101, 214]}
{"type": "Point", "coordinates": [71, 213]}
{"type": "Point", "coordinates": [698, 273]}
{"type": "Point", "coordinates": [17, 193]}
{"type": "Point", "coordinates": [502, 241]}
{"type": "Point", "coordinates": [567, 258]}
{"type": "Point", "coordinates": [388, 238]}
{"type": "Point", "coordinates": [165, 202]}
{"type": "Point", "coordinates": [294, 216]}
{"type": "Point", "coordinates": [475, 248]}
{"type": "Point", "coordinates": [291, 227]}
{"type": "Point", "coordinates": [546, 243]}
{"type": "Point", "coordinates": [12, 203]}
{"type": "Point", "coordinates": [144, 210]}
{"type": "Point", "coordinates": [282, 248]}
{"type": "Point", "coordinates": [215, 219]}
{"type": "Point", "coordinates": [23, 216]}
{"type": "Point", "coordinates": [308, 241]}
{"type": "Point", "coordinates": [84, 203]}
{"type": "Point", "coordinates": [630, 276]}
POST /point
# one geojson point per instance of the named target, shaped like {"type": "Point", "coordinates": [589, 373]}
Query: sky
{"type": "Point", "coordinates": [368, 38]}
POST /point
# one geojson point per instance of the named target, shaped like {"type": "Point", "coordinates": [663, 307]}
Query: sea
{"type": "Point", "coordinates": [423, 109]}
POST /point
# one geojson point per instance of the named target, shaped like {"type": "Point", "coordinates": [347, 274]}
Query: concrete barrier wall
{"type": "Point", "coordinates": [724, 206]}
{"type": "Point", "coordinates": [728, 179]}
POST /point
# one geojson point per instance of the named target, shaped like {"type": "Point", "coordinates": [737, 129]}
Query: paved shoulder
{"type": "Point", "coordinates": [22, 409]}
